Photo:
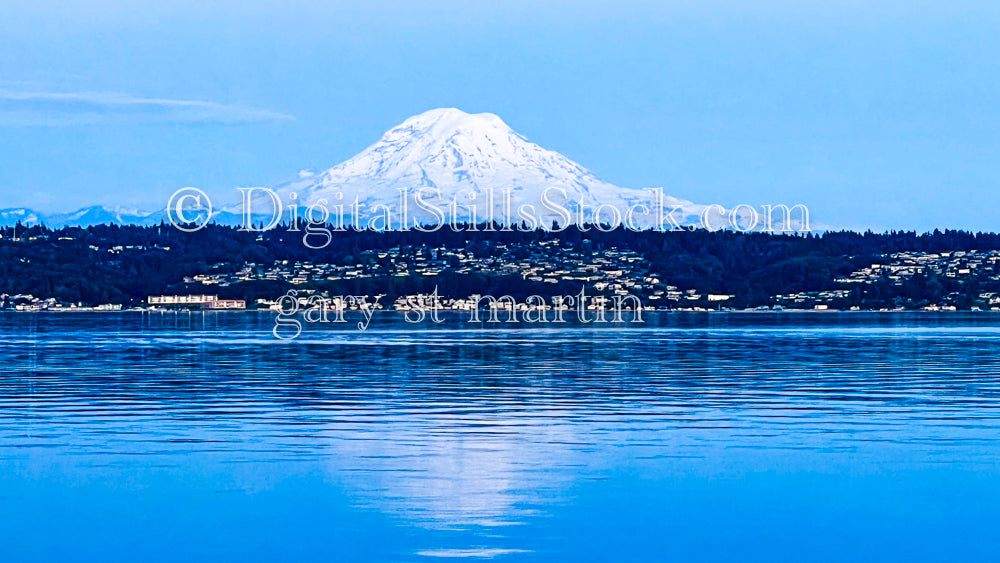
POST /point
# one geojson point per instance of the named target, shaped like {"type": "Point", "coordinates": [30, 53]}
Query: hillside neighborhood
{"type": "Point", "coordinates": [159, 269]}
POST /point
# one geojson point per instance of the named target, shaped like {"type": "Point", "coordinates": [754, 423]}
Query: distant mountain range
{"type": "Point", "coordinates": [95, 215]}
{"type": "Point", "coordinates": [451, 155]}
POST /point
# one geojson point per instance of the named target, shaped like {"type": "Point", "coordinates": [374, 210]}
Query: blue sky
{"type": "Point", "coordinates": [874, 114]}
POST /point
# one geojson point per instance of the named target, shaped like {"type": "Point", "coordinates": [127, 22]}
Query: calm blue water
{"type": "Point", "coordinates": [716, 437]}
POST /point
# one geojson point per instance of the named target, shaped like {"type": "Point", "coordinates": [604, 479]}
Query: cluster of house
{"type": "Point", "coordinates": [958, 265]}
{"type": "Point", "coordinates": [613, 271]}
{"type": "Point", "coordinates": [29, 303]}
{"type": "Point", "coordinates": [901, 267]}
{"type": "Point", "coordinates": [211, 302]}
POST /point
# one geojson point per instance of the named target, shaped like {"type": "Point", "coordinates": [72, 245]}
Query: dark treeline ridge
{"type": "Point", "coordinates": [124, 264]}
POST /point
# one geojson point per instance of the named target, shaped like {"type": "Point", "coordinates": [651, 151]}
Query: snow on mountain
{"type": "Point", "coordinates": [465, 158]}
{"type": "Point", "coordinates": [103, 215]}
{"type": "Point", "coordinates": [94, 215]}
{"type": "Point", "coordinates": [465, 166]}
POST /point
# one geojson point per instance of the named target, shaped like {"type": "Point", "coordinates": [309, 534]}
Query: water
{"type": "Point", "coordinates": [713, 437]}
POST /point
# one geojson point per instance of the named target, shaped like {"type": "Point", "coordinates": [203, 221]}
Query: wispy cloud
{"type": "Point", "coordinates": [39, 108]}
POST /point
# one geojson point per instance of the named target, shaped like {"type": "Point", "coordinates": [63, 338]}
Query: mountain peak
{"type": "Point", "coordinates": [450, 150]}
{"type": "Point", "coordinates": [460, 157]}
{"type": "Point", "coordinates": [472, 160]}
{"type": "Point", "coordinates": [457, 157]}
{"type": "Point", "coordinates": [453, 117]}
{"type": "Point", "coordinates": [433, 129]}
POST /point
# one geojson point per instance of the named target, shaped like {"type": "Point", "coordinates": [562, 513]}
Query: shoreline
{"type": "Point", "coordinates": [402, 311]}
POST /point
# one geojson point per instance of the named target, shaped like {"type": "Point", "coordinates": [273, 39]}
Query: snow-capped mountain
{"type": "Point", "coordinates": [94, 215]}
{"type": "Point", "coordinates": [465, 158]}
{"type": "Point", "coordinates": [101, 214]}
{"type": "Point", "coordinates": [465, 166]}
